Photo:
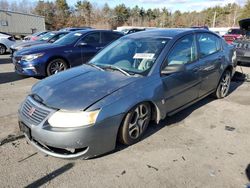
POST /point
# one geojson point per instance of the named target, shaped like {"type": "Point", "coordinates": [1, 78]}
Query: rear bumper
{"type": "Point", "coordinates": [243, 56]}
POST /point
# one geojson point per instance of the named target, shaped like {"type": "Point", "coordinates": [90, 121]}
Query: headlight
{"type": "Point", "coordinates": [31, 57]}
{"type": "Point", "coordinates": [73, 119]}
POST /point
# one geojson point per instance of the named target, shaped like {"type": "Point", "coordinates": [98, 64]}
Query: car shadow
{"type": "Point", "coordinates": [50, 176]}
{"type": "Point", "coordinates": [237, 80]}
{"type": "Point", "coordinates": [6, 77]}
{"type": "Point", "coordinates": [247, 171]}
{"type": "Point", "coordinates": [5, 61]}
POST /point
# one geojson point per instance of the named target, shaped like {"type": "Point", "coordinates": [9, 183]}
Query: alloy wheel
{"type": "Point", "coordinates": [139, 121]}
{"type": "Point", "coordinates": [225, 84]}
{"type": "Point", "coordinates": [2, 49]}
{"type": "Point", "coordinates": [57, 66]}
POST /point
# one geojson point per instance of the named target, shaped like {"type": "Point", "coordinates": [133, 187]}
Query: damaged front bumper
{"type": "Point", "coordinates": [85, 142]}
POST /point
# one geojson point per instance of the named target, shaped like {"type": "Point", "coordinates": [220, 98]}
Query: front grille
{"type": "Point", "coordinates": [33, 112]}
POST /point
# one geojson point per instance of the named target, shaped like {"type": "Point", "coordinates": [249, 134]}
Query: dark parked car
{"type": "Point", "coordinates": [132, 30]}
{"type": "Point", "coordinates": [74, 28]}
{"type": "Point", "coordinates": [144, 76]}
{"type": "Point", "coordinates": [243, 45]}
{"type": "Point", "coordinates": [74, 49]}
{"type": "Point", "coordinates": [47, 38]}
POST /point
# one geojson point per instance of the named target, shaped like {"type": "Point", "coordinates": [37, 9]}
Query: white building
{"type": "Point", "coordinates": [17, 23]}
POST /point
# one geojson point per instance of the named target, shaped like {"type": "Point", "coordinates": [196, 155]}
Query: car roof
{"type": "Point", "coordinates": [94, 30]}
{"type": "Point", "coordinates": [59, 32]}
{"type": "Point", "coordinates": [166, 33]}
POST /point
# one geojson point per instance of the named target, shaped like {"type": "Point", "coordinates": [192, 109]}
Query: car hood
{"type": "Point", "coordinates": [27, 43]}
{"type": "Point", "coordinates": [79, 88]}
{"type": "Point", "coordinates": [245, 24]}
{"type": "Point", "coordinates": [37, 49]}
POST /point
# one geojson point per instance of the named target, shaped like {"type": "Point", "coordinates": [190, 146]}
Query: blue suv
{"type": "Point", "coordinates": [74, 49]}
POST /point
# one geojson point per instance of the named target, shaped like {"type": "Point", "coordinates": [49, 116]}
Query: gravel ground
{"type": "Point", "coordinates": [206, 145]}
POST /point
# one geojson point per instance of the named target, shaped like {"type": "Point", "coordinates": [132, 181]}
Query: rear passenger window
{"type": "Point", "coordinates": [92, 38]}
{"type": "Point", "coordinates": [208, 44]}
{"type": "Point", "coordinates": [109, 37]}
{"type": "Point", "coordinates": [184, 51]}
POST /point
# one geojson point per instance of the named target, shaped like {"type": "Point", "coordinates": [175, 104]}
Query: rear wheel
{"type": "Point", "coordinates": [55, 66]}
{"type": "Point", "coordinates": [135, 124]}
{"type": "Point", "coordinates": [224, 85]}
{"type": "Point", "coordinates": [2, 49]}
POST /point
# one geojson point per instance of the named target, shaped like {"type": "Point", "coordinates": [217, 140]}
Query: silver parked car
{"type": "Point", "coordinates": [84, 111]}
{"type": "Point", "coordinates": [6, 41]}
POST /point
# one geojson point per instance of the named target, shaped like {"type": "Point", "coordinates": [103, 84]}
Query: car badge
{"type": "Point", "coordinates": [31, 111]}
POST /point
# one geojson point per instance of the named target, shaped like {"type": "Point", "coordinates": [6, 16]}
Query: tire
{"type": "Point", "coordinates": [135, 124]}
{"type": "Point", "coordinates": [223, 86]}
{"type": "Point", "coordinates": [55, 66]}
{"type": "Point", "coordinates": [2, 49]}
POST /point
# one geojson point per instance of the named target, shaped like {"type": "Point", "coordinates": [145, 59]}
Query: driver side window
{"type": "Point", "coordinates": [184, 51]}
{"type": "Point", "coordinates": [93, 38]}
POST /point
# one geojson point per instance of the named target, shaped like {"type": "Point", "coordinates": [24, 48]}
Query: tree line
{"type": "Point", "coordinates": [59, 14]}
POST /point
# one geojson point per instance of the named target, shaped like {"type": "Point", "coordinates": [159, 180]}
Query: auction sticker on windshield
{"type": "Point", "coordinates": [143, 56]}
{"type": "Point", "coordinates": [78, 34]}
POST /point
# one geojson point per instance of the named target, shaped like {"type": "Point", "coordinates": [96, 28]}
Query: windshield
{"type": "Point", "coordinates": [69, 39]}
{"type": "Point", "coordinates": [234, 32]}
{"type": "Point", "coordinates": [132, 55]}
{"type": "Point", "coordinates": [46, 37]}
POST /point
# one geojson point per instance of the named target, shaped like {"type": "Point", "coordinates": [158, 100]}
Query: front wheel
{"type": "Point", "coordinates": [2, 49]}
{"type": "Point", "coordinates": [223, 86]}
{"type": "Point", "coordinates": [135, 124]}
{"type": "Point", "coordinates": [55, 66]}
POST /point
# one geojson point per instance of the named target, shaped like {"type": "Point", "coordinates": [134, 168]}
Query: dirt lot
{"type": "Point", "coordinates": [206, 145]}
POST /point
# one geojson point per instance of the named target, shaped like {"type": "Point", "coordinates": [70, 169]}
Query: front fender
{"type": "Point", "coordinates": [121, 101]}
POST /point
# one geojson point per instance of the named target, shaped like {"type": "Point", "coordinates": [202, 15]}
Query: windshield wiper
{"type": "Point", "coordinates": [97, 67]}
{"type": "Point", "coordinates": [117, 68]}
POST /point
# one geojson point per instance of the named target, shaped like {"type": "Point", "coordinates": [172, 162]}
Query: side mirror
{"type": "Point", "coordinates": [82, 44]}
{"type": "Point", "coordinates": [174, 68]}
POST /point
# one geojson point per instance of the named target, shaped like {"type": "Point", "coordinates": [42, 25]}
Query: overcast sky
{"type": "Point", "coordinates": [182, 5]}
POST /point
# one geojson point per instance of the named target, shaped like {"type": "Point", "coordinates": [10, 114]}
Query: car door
{"type": "Point", "coordinates": [90, 45]}
{"type": "Point", "coordinates": [182, 87]}
{"type": "Point", "coordinates": [211, 56]}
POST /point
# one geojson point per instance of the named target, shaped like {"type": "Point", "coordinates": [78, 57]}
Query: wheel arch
{"type": "Point", "coordinates": [53, 58]}
{"type": "Point", "coordinates": [155, 114]}
{"type": "Point", "coordinates": [3, 45]}
{"type": "Point", "coordinates": [58, 57]}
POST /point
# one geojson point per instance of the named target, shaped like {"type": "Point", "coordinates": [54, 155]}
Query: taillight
{"type": "Point", "coordinates": [11, 39]}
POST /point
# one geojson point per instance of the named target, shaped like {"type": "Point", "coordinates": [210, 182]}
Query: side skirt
{"type": "Point", "coordinates": [189, 104]}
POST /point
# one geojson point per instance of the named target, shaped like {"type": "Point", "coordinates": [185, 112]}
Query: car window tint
{"type": "Point", "coordinates": [208, 44]}
{"type": "Point", "coordinates": [92, 38]}
{"type": "Point", "coordinates": [109, 37]}
{"type": "Point", "coordinates": [184, 51]}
